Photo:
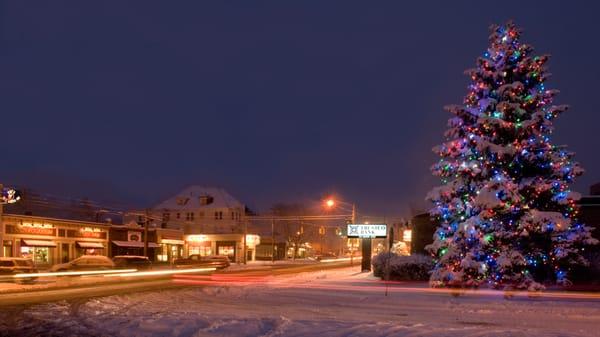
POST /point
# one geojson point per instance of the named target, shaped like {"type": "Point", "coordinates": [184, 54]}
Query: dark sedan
{"type": "Point", "coordinates": [132, 261]}
{"type": "Point", "coordinates": [197, 261]}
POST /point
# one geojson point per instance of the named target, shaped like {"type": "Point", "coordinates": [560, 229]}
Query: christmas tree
{"type": "Point", "coordinates": [507, 216]}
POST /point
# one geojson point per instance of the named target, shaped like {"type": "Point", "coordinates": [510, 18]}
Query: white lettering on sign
{"type": "Point", "coordinates": [367, 230]}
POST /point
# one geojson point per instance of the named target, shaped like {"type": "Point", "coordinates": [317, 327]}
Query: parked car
{"type": "Point", "coordinates": [325, 256]}
{"type": "Point", "coordinates": [85, 262]}
{"type": "Point", "coordinates": [10, 266]}
{"type": "Point", "coordinates": [132, 261]}
{"type": "Point", "coordinates": [216, 261]}
{"type": "Point", "coordinates": [16, 265]}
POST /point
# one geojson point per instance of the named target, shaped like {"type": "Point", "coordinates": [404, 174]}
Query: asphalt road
{"type": "Point", "coordinates": [80, 291]}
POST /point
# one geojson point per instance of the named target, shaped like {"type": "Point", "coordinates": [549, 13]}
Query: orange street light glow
{"type": "Point", "coordinates": [330, 203]}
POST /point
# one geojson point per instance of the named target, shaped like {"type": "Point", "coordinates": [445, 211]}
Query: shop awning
{"type": "Point", "coordinates": [37, 243]}
{"type": "Point", "coordinates": [172, 241]}
{"type": "Point", "coordinates": [135, 244]}
{"type": "Point", "coordinates": [90, 244]}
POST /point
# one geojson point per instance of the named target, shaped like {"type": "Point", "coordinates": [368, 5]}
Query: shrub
{"type": "Point", "coordinates": [402, 268]}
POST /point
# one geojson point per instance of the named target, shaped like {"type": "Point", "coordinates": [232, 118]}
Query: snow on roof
{"type": "Point", "coordinates": [190, 198]}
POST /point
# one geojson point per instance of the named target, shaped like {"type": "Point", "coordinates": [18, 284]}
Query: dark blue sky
{"type": "Point", "coordinates": [275, 101]}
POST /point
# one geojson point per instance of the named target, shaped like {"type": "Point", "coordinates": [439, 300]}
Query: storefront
{"type": "Point", "coordinates": [48, 241]}
{"type": "Point", "coordinates": [129, 240]}
{"type": "Point", "coordinates": [230, 245]}
{"type": "Point", "coordinates": [171, 244]}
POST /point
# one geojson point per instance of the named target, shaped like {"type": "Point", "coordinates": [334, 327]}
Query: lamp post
{"type": "Point", "coordinates": [331, 203]}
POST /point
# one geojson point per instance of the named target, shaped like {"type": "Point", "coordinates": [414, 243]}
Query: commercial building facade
{"type": "Point", "coordinates": [230, 245]}
{"type": "Point", "coordinates": [49, 241]}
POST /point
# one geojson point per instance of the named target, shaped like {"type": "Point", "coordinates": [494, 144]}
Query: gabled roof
{"type": "Point", "coordinates": [189, 199]}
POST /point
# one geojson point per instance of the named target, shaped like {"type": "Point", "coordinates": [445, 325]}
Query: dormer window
{"type": "Point", "coordinates": [206, 200]}
{"type": "Point", "coordinates": [182, 201]}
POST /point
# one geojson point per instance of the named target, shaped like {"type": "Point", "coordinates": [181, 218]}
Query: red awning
{"type": "Point", "coordinates": [37, 243]}
{"type": "Point", "coordinates": [82, 244]}
{"type": "Point", "coordinates": [135, 244]}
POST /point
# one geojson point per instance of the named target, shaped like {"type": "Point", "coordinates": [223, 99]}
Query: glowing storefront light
{"type": "Point", "coordinates": [407, 235]}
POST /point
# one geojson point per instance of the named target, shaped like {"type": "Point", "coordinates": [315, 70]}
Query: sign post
{"type": "Point", "coordinates": [367, 232]}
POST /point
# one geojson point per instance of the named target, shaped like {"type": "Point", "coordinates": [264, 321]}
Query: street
{"type": "Point", "coordinates": [303, 301]}
{"type": "Point", "coordinates": [70, 288]}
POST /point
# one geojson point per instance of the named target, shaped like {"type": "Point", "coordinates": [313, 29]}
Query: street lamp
{"type": "Point", "coordinates": [331, 203]}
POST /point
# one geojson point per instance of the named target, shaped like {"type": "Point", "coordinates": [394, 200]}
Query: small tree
{"type": "Point", "coordinates": [507, 214]}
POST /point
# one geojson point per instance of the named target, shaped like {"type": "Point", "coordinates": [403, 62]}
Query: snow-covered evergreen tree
{"type": "Point", "coordinates": [506, 213]}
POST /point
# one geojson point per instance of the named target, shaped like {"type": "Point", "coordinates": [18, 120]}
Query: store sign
{"type": "Point", "coordinates": [34, 229]}
{"type": "Point", "coordinates": [134, 236]}
{"type": "Point", "coordinates": [367, 231]}
{"type": "Point", "coordinates": [252, 240]}
{"type": "Point", "coordinates": [94, 233]}
{"type": "Point", "coordinates": [9, 196]}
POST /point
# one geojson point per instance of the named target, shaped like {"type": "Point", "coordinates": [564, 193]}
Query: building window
{"type": "Point", "coordinates": [39, 255]}
{"type": "Point", "coordinates": [219, 215]}
{"type": "Point", "coordinates": [189, 216]}
{"type": "Point", "coordinates": [178, 215]}
{"type": "Point", "coordinates": [166, 217]}
{"type": "Point", "coordinates": [206, 200]}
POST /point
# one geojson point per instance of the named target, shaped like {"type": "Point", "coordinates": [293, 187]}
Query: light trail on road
{"type": "Point", "coordinates": [75, 273]}
{"type": "Point", "coordinates": [162, 272]}
{"type": "Point", "coordinates": [392, 286]}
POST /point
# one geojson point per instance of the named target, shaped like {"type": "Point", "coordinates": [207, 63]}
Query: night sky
{"type": "Point", "coordinates": [275, 101]}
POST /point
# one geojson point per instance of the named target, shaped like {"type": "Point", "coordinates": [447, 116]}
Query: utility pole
{"type": "Point", "coordinates": [353, 220]}
{"type": "Point", "coordinates": [146, 223]}
{"type": "Point", "coordinates": [272, 240]}
{"type": "Point", "coordinates": [245, 243]}
{"type": "Point", "coordinates": [1, 225]}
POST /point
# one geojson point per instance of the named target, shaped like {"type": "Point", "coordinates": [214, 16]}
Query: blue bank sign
{"type": "Point", "coordinates": [367, 231]}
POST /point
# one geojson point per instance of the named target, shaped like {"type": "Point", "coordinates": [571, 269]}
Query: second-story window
{"type": "Point", "coordinates": [178, 215]}
{"type": "Point", "coordinates": [189, 216]}
{"type": "Point", "coordinates": [219, 215]}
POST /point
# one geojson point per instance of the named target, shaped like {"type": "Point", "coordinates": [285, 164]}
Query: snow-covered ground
{"type": "Point", "coordinates": [337, 302]}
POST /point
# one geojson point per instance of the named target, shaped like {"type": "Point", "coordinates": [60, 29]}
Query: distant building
{"type": "Point", "coordinates": [589, 211]}
{"type": "Point", "coordinates": [196, 210]}
{"type": "Point", "coordinates": [213, 223]}
{"type": "Point", "coordinates": [422, 231]}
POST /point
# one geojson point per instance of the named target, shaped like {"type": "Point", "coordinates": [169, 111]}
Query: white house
{"type": "Point", "coordinates": [202, 210]}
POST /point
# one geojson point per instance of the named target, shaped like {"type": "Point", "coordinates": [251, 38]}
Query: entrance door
{"type": "Point", "coordinates": [64, 253]}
